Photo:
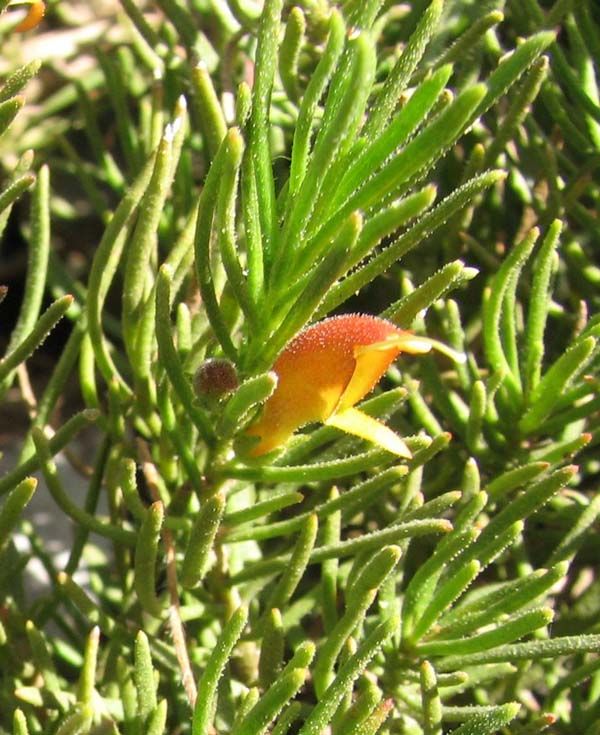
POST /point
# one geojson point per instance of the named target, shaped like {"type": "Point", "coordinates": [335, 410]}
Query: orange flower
{"type": "Point", "coordinates": [35, 13]}
{"type": "Point", "coordinates": [325, 371]}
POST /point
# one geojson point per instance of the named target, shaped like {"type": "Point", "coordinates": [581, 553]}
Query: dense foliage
{"type": "Point", "coordinates": [186, 187]}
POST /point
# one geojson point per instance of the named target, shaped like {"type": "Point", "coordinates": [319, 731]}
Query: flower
{"type": "Point", "coordinates": [35, 13]}
{"type": "Point", "coordinates": [325, 370]}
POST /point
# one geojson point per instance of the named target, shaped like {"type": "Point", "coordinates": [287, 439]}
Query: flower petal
{"type": "Point", "coordinates": [355, 422]}
{"type": "Point", "coordinates": [35, 14]}
{"type": "Point", "coordinates": [371, 362]}
{"type": "Point", "coordinates": [413, 345]}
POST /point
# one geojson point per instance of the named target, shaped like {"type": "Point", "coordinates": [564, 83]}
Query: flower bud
{"type": "Point", "coordinates": [215, 378]}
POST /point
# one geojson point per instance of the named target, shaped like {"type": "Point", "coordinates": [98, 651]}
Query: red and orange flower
{"type": "Point", "coordinates": [325, 370]}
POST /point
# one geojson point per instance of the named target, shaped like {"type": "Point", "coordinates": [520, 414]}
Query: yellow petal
{"type": "Point", "coordinates": [355, 422]}
{"type": "Point", "coordinates": [369, 366]}
{"type": "Point", "coordinates": [412, 345]}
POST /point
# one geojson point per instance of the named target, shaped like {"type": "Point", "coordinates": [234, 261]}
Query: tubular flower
{"type": "Point", "coordinates": [325, 370]}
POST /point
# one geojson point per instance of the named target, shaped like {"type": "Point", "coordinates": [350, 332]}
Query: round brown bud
{"type": "Point", "coordinates": [215, 378]}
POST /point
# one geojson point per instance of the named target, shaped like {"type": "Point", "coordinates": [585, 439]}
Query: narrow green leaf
{"type": "Point", "coordinates": [285, 721]}
{"type": "Point", "coordinates": [468, 40]}
{"type": "Point", "coordinates": [519, 626]}
{"type": "Point", "coordinates": [359, 599]}
{"type": "Point", "coordinates": [430, 699]}
{"type": "Point", "coordinates": [425, 148]}
{"type": "Point", "coordinates": [296, 566]}
{"type": "Point", "coordinates": [258, 142]}
{"type": "Point", "coordinates": [403, 70]}
{"type": "Point", "coordinates": [514, 479]}
{"type": "Point", "coordinates": [518, 110]}
{"type": "Point", "coordinates": [422, 585]}
{"type": "Point", "coordinates": [139, 253]}
{"type": "Point", "coordinates": [306, 473]}
{"type": "Point", "coordinates": [532, 650]}
{"type": "Point", "coordinates": [208, 109]}
{"type": "Point", "coordinates": [31, 341]}
{"type": "Point", "coordinates": [169, 357]}
{"type": "Point", "coordinates": [225, 222]}
{"type": "Point", "coordinates": [492, 606]}
{"type": "Point", "coordinates": [512, 67]}
{"type": "Point", "coordinates": [377, 151]}
{"type": "Point", "coordinates": [87, 678]}
{"type": "Point", "coordinates": [490, 722]}
{"type": "Point", "coordinates": [577, 534]}
{"type": "Point", "coordinates": [146, 553]}
{"type": "Point", "coordinates": [197, 554]}
{"type": "Point", "coordinates": [404, 311]}
{"type": "Point", "coordinates": [329, 569]}
{"type": "Point", "coordinates": [388, 220]}
{"type": "Point", "coordinates": [13, 506]}
{"type": "Point", "coordinates": [555, 381]}
{"type": "Point", "coordinates": [350, 502]}
{"type": "Point", "coordinates": [213, 670]}
{"type": "Point", "coordinates": [14, 190]}
{"type": "Point", "coordinates": [573, 678]}
{"type": "Point", "coordinates": [207, 202]}
{"type": "Point", "coordinates": [477, 412]}
{"type": "Point", "coordinates": [18, 79]}
{"type": "Point", "coordinates": [271, 703]}
{"type": "Point", "coordinates": [262, 508]}
{"type": "Point", "coordinates": [526, 504]}
{"type": "Point", "coordinates": [324, 710]}
{"type": "Point", "coordinates": [307, 113]}
{"type": "Point", "coordinates": [447, 592]}
{"type": "Point", "coordinates": [8, 111]}
{"type": "Point", "coordinates": [270, 662]}
{"type": "Point", "coordinates": [538, 307]}
{"type": "Point", "coordinates": [158, 719]}
{"type": "Point", "coordinates": [37, 266]}
{"type": "Point", "coordinates": [143, 677]}
{"type": "Point", "coordinates": [103, 269]}
{"type": "Point", "coordinates": [289, 52]}
{"type": "Point", "coordinates": [351, 547]}
{"type": "Point", "coordinates": [337, 128]}
{"type": "Point", "coordinates": [506, 276]}
{"type": "Point", "coordinates": [425, 226]}
{"type": "Point", "coordinates": [20, 723]}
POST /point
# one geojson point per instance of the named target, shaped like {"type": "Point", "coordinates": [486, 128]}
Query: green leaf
{"type": "Point", "coordinates": [430, 699]}
{"type": "Point", "coordinates": [271, 703]}
{"type": "Point", "coordinates": [322, 713]}
{"type": "Point", "coordinates": [207, 686]}
{"type": "Point", "coordinates": [399, 130]}
{"type": "Point", "coordinates": [13, 506]}
{"type": "Point", "coordinates": [146, 553]}
{"type": "Point", "coordinates": [515, 628]}
{"type": "Point", "coordinates": [358, 601]}
{"type": "Point", "coordinates": [430, 222]}
{"type": "Point", "coordinates": [403, 70]}
{"type": "Point", "coordinates": [490, 722]}
{"type": "Point", "coordinates": [201, 541]}
{"type": "Point", "coordinates": [532, 650]}
{"type": "Point", "coordinates": [555, 381]}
